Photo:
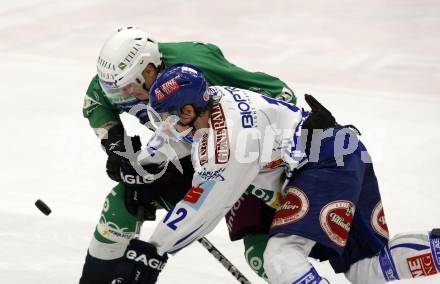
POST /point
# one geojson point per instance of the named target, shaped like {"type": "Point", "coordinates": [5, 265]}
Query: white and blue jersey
{"type": "Point", "coordinates": [250, 140]}
{"type": "Point", "coordinates": [331, 203]}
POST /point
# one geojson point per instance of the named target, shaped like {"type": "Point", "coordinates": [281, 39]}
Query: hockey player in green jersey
{"type": "Point", "coordinates": [128, 64]}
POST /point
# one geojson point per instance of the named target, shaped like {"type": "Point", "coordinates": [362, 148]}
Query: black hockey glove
{"type": "Point", "coordinates": [320, 118]}
{"type": "Point", "coordinates": [115, 143]}
{"type": "Point", "coordinates": [163, 183]}
{"type": "Point", "coordinates": [139, 190]}
{"type": "Point", "coordinates": [140, 264]}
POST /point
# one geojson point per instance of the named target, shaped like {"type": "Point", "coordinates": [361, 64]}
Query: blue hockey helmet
{"type": "Point", "coordinates": [179, 85]}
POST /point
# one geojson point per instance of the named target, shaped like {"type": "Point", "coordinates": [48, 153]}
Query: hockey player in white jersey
{"type": "Point", "coordinates": [331, 207]}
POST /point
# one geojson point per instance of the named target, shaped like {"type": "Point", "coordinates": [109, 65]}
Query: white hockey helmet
{"type": "Point", "coordinates": [124, 56]}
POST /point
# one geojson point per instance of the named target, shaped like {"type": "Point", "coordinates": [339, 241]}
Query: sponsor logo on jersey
{"type": "Point", "coordinates": [255, 262]}
{"type": "Point", "coordinates": [212, 175]}
{"type": "Point", "coordinates": [230, 216]}
{"type": "Point", "coordinates": [203, 149]}
{"type": "Point", "coordinates": [142, 258]}
{"type": "Point", "coordinates": [221, 139]}
{"type": "Point", "coordinates": [198, 194]}
{"type": "Point", "coordinates": [294, 206]}
{"type": "Point", "coordinates": [378, 221]}
{"type": "Point", "coordinates": [335, 219]}
{"type": "Point", "coordinates": [246, 111]}
{"type": "Point", "coordinates": [111, 231]}
{"type": "Point", "coordinates": [270, 197]}
{"type": "Point", "coordinates": [274, 164]}
{"type": "Point", "coordinates": [193, 195]}
{"type": "Point", "coordinates": [116, 234]}
{"type": "Point", "coordinates": [421, 265]}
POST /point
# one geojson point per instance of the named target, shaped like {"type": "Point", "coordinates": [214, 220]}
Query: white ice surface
{"type": "Point", "coordinates": [374, 63]}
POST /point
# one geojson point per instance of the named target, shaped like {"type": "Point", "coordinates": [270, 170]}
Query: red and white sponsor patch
{"type": "Point", "coordinates": [294, 206]}
{"type": "Point", "coordinates": [378, 221]}
{"type": "Point", "coordinates": [274, 164]}
{"type": "Point", "coordinates": [193, 195]}
{"type": "Point", "coordinates": [421, 265]}
{"type": "Point", "coordinates": [221, 139]}
{"type": "Point", "coordinates": [336, 218]}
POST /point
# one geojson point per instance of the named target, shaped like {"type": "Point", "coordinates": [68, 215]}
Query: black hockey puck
{"type": "Point", "coordinates": [43, 207]}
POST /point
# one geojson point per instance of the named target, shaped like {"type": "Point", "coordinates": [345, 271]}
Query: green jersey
{"type": "Point", "coordinates": [102, 111]}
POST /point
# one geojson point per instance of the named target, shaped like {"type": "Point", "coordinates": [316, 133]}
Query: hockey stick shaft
{"type": "Point", "coordinates": [218, 255]}
{"type": "Point", "coordinates": [139, 220]}
{"type": "Point", "coordinates": [224, 261]}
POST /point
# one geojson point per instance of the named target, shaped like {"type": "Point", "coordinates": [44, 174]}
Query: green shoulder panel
{"type": "Point", "coordinates": [96, 107]}
{"type": "Point", "coordinates": [217, 69]}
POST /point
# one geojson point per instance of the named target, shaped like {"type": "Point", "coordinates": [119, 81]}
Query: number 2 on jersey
{"type": "Point", "coordinates": [181, 212]}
